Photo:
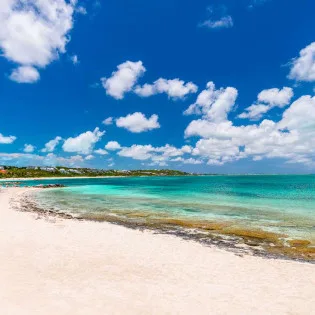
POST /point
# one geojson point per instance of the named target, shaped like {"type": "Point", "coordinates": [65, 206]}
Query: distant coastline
{"type": "Point", "coordinates": [59, 172]}
{"type": "Point", "coordinates": [3, 179]}
{"type": "Point", "coordinates": [21, 179]}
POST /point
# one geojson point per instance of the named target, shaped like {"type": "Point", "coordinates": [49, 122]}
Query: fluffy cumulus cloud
{"type": "Point", "coordinates": [137, 152]}
{"type": "Point", "coordinates": [300, 116]}
{"type": "Point", "coordinates": [6, 139]}
{"type": "Point", "coordinates": [72, 161]}
{"type": "Point", "coordinates": [137, 122]}
{"type": "Point", "coordinates": [214, 104]}
{"type": "Point", "coordinates": [112, 146]}
{"type": "Point", "coordinates": [22, 158]}
{"type": "Point", "coordinates": [175, 89]}
{"type": "Point", "coordinates": [101, 152]}
{"type": "Point", "coordinates": [25, 74]}
{"type": "Point", "coordinates": [84, 143]}
{"type": "Point", "coordinates": [303, 67]}
{"type": "Point", "coordinates": [292, 138]}
{"type": "Point", "coordinates": [187, 161]}
{"type": "Point", "coordinates": [52, 144]}
{"type": "Point", "coordinates": [266, 100]}
{"type": "Point", "coordinates": [254, 112]}
{"type": "Point", "coordinates": [157, 155]}
{"type": "Point", "coordinates": [276, 97]}
{"type": "Point", "coordinates": [123, 79]}
{"type": "Point", "coordinates": [48, 160]}
{"type": "Point", "coordinates": [28, 148]}
{"type": "Point", "coordinates": [33, 33]}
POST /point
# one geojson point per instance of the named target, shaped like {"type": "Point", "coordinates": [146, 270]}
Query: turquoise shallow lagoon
{"type": "Point", "coordinates": [280, 204]}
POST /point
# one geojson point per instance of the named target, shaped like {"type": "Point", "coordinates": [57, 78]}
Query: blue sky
{"type": "Point", "coordinates": [210, 86]}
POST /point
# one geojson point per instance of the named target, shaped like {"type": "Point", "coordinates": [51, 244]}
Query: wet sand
{"type": "Point", "coordinates": [49, 265]}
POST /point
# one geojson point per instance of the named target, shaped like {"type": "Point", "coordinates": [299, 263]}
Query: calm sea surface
{"type": "Point", "coordinates": [281, 204]}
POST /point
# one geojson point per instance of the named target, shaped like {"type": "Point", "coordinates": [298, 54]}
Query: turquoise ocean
{"type": "Point", "coordinates": [275, 203]}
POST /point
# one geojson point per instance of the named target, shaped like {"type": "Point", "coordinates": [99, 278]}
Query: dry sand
{"type": "Point", "coordinates": [53, 266]}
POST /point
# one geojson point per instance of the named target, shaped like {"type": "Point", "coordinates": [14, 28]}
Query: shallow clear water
{"type": "Point", "coordinates": [284, 204]}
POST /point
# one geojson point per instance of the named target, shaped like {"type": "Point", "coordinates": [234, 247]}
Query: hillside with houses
{"type": "Point", "coordinates": [60, 171]}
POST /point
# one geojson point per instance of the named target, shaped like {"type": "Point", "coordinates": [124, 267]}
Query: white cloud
{"type": "Point", "coordinates": [276, 97]}
{"type": "Point", "coordinates": [49, 160]}
{"type": "Point", "coordinates": [176, 88]}
{"type": "Point", "coordinates": [6, 140]}
{"type": "Point", "coordinates": [20, 157]}
{"type": "Point", "coordinates": [158, 155]}
{"type": "Point", "coordinates": [72, 161]}
{"type": "Point", "coordinates": [33, 33]}
{"type": "Point", "coordinates": [223, 22]}
{"type": "Point", "coordinates": [101, 152]}
{"type": "Point", "coordinates": [124, 79]}
{"type": "Point", "coordinates": [112, 146]}
{"type": "Point", "coordinates": [215, 162]}
{"type": "Point", "coordinates": [137, 122]}
{"type": "Point", "coordinates": [84, 143]}
{"type": "Point", "coordinates": [137, 152]}
{"type": "Point", "coordinates": [108, 121]}
{"type": "Point", "coordinates": [303, 67]}
{"type": "Point", "coordinates": [145, 90]}
{"type": "Point", "coordinates": [51, 145]}
{"type": "Point", "coordinates": [192, 161]}
{"type": "Point", "coordinates": [171, 151]}
{"type": "Point", "coordinates": [300, 115]}
{"type": "Point", "coordinates": [186, 149]}
{"type": "Point", "coordinates": [292, 138]}
{"type": "Point", "coordinates": [270, 98]}
{"type": "Point", "coordinates": [28, 148]}
{"type": "Point", "coordinates": [187, 161]}
{"type": "Point", "coordinates": [214, 104]}
{"type": "Point", "coordinates": [25, 74]}
{"type": "Point", "coordinates": [156, 162]}
{"type": "Point", "coordinates": [75, 59]}
{"type": "Point", "coordinates": [217, 18]}
{"type": "Point", "coordinates": [255, 111]}
{"type": "Point", "coordinates": [212, 149]}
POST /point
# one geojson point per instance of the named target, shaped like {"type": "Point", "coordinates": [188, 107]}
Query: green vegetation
{"type": "Point", "coordinates": [59, 171]}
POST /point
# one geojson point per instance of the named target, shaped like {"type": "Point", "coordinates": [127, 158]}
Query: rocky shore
{"type": "Point", "coordinates": [49, 186]}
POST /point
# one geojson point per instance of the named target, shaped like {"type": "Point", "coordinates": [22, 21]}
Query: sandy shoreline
{"type": "Point", "coordinates": [54, 266]}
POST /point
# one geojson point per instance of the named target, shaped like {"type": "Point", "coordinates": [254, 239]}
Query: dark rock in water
{"type": "Point", "coordinates": [252, 243]}
{"type": "Point", "coordinates": [50, 186]}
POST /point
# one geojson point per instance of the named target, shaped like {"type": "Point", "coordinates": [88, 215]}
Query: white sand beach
{"type": "Point", "coordinates": [53, 266]}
